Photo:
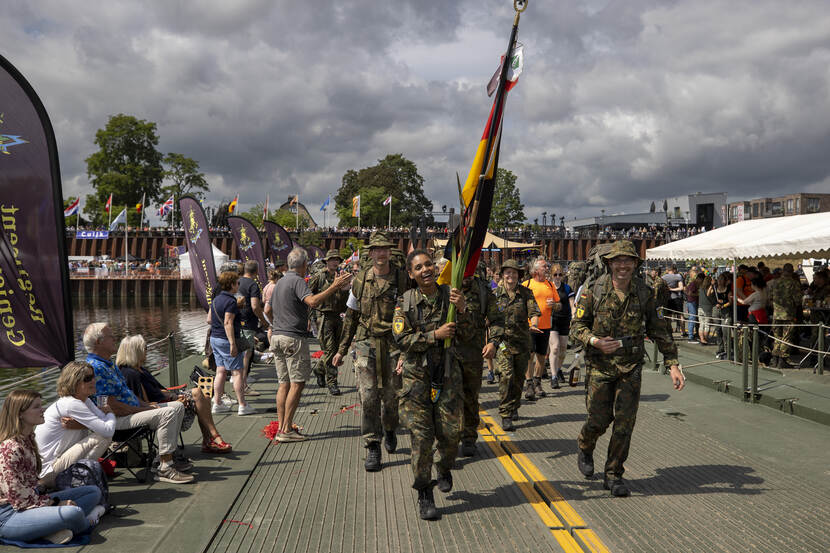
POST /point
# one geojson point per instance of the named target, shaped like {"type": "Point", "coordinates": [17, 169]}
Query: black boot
{"type": "Point", "coordinates": [373, 458]}
{"type": "Point", "coordinates": [390, 441]}
{"type": "Point", "coordinates": [321, 380]}
{"type": "Point", "coordinates": [426, 504]}
{"type": "Point", "coordinates": [445, 482]}
{"type": "Point", "coordinates": [530, 391]}
{"type": "Point", "coordinates": [617, 487]}
{"type": "Point", "coordinates": [585, 462]}
{"type": "Point", "coordinates": [468, 449]}
{"type": "Point", "coordinates": [783, 363]}
{"type": "Point", "coordinates": [507, 424]}
{"type": "Point", "coordinates": [334, 390]}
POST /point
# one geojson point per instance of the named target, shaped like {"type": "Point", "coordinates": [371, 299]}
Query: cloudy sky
{"type": "Point", "coordinates": [620, 102]}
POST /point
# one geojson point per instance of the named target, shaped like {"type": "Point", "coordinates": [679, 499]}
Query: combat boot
{"type": "Point", "coordinates": [321, 381]}
{"type": "Point", "coordinates": [530, 392]}
{"type": "Point", "coordinates": [390, 441]}
{"type": "Point", "coordinates": [585, 462]}
{"type": "Point", "coordinates": [783, 363]}
{"type": "Point", "coordinates": [468, 449]}
{"type": "Point", "coordinates": [372, 463]}
{"type": "Point", "coordinates": [507, 424]}
{"type": "Point", "coordinates": [537, 387]}
{"type": "Point", "coordinates": [617, 487]}
{"type": "Point", "coordinates": [426, 504]}
{"type": "Point", "coordinates": [445, 482]}
{"type": "Point", "coordinates": [334, 390]}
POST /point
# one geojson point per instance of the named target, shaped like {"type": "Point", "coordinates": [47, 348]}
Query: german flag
{"type": "Point", "coordinates": [232, 205]}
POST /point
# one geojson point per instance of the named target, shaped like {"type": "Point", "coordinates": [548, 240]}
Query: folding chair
{"type": "Point", "coordinates": [126, 438]}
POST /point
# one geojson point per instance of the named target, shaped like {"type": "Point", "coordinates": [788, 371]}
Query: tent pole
{"type": "Point", "coordinates": [735, 306]}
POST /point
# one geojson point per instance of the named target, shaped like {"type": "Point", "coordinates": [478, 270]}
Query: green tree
{"type": "Point", "coordinates": [352, 245]}
{"type": "Point", "coordinates": [285, 218]}
{"type": "Point", "coordinates": [310, 238]}
{"type": "Point", "coordinates": [508, 209]}
{"type": "Point", "coordinates": [393, 175]}
{"type": "Point", "coordinates": [126, 165]}
{"type": "Point", "coordinates": [185, 177]}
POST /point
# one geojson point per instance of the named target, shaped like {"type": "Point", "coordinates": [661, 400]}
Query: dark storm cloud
{"type": "Point", "coordinates": [621, 103]}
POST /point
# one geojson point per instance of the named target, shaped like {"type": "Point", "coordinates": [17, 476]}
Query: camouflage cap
{"type": "Point", "coordinates": [621, 248]}
{"type": "Point", "coordinates": [380, 240]}
{"type": "Point", "coordinates": [512, 264]}
{"type": "Point", "coordinates": [333, 254]}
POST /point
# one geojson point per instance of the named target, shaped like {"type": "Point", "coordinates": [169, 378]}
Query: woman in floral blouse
{"type": "Point", "coordinates": [26, 514]}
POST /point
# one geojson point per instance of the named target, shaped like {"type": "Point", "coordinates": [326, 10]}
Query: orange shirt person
{"type": "Point", "coordinates": [548, 300]}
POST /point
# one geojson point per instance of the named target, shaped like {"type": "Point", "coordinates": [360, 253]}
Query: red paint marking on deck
{"type": "Point", "coordinates": [344, 409]}
{"type": "Point", "coordinates": [239, 522]}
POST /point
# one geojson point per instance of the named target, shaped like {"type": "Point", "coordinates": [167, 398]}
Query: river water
{"type": "Point", "coordinates": [153, 318]}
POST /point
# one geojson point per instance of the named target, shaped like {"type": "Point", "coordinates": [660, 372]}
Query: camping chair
{"type": "Point", "coordinates": [131, 439]}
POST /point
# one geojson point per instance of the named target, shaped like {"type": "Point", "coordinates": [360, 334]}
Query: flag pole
{"type": "Point", "coordinates": [171, 214]}
{"type": "Point", "coordinates": [141, 221]}
{"type": "Point", "coordinates": [390, 213]}
{"type": "Point", "coordinates": [126, 250]}
{"type": "Point", "coordinates": [78, 215]}
{"type": "Point", "coordinates": [297, 210]}
{"type": "Point", "coordinates": [109, 211]}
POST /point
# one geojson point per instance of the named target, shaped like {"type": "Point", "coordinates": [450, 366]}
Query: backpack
{"type": "Point", "coordinates": [86, 472]}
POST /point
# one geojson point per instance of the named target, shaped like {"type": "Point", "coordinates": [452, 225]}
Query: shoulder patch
{"type": "Point", "coordinates": [580, 311]}
{"type": "Point", "coordinates": [397, 324]}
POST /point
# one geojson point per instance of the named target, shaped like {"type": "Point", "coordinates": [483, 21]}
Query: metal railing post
{"type": "Point", "coordinates": [656, 363]}
{"type": "Point", "coordinates": [744, 359]}
{"type": "Point", "coordinates": [727, 340]}
{"type": "Point", "coordinates": [820, 366]}
{"type": "Point", "coordinates": [736, 337]}
{"type": "Point", "coordinates": [172, 364]}
{"type": "Point", "coordinates": [754, 390]}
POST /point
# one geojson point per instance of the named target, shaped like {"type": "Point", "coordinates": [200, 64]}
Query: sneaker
{"type": "Point", "coordinates": [95, 515]}
{"type": "Point", "coordinates": [537, 386]}
{"type": "Point", "coordinates": [170, 475]}
{"type": "Point", "coordinates": [561, 375]}
{"type": "Point", "coordinates": [245, 410]}
{"type": "Point", "coordinates": [251, 392]}
{"type": "Point", "coordinates": [227, 400]}
{"type": "Point", "coordinates": [491, 378]}
{"type": "Point", "coordinates": [59, 537]}
{"type": "Point", "coordinates": [554, 383]}
{"type": "Point", "coordinates": [219, 408]}
{"type": "Point", "coordinates": [292, 436]}
{"type": "Point", "coordinates": [693, 341]}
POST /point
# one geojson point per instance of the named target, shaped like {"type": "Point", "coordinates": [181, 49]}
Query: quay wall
{"type": "Point", "coordinates": [154, 244]}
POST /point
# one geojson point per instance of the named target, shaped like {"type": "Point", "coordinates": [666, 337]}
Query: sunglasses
{"type": "Point", "coordinates": [89, 377]}
{"type": "Point", "coordinates": [556, 274]}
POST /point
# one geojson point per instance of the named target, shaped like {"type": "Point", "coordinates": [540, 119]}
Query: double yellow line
{"type": "Point", "coordinates": [564, 523]}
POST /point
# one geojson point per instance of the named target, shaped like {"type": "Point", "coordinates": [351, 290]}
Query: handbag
{"type": "Point", "coordinates": [242, 343]}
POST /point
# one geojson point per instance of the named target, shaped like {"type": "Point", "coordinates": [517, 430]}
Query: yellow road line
{"type": "Point", "coordinates": [499, 440]}
{"type": "Point", "coordinates": [569, 545]}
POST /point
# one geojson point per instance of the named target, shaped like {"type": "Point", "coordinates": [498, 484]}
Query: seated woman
{"type": "Point", "coordinates": [74, 428]}
{"type": "Point", "coordinates": [26, 514]}
{"type": "Point", "coordinates": [132, 353]}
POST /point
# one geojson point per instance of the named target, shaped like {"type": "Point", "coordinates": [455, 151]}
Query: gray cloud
{"type": "Point", "coordinates": [621, 103]}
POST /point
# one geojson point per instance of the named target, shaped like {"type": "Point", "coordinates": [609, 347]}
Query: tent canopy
{"type": "Point", "coordinates": [219, 259]}
{"type": "Point", "coordinates": [491, 240]}
{"type": "Point", "coordinates": [805, 235]}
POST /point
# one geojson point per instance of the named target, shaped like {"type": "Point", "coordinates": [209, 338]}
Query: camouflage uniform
{"type": "Point", "coordinates": [470, 340]}
{"type": "Point", "coordinates": [786, 301]}
{"type": "Point", "coordinates": [376, 352]}
{"type": "Point", "coordinates": [329, 320]}
{"type": "Point", "coordinates": [514, 352]}
{"type": "Point", "coordinates": [614, 387]}
{"type": "Point", "coordinates": [416, 318]}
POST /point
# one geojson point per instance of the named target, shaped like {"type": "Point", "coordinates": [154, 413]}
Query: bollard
{"type": "Point", "coordinates": [656, 363]}
{"type": "Point", "coordinates": [754, 391]}
{"type": "Point", "coordinates": [171, 360]}
{"type": "Point", "coordinates": [820, 366]}
{"type": "Point", "coordinates": [744, 359]}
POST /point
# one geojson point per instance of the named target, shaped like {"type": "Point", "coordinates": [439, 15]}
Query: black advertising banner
{"type": "Point", "coordinates": [199, 249]}
{"type": "Point", "coordinates": [250, 246]}
{"type": "Point", "coordinates": [314, 253]}
{"type": "Point", "coordinates": [35, 311]}
{"type": "Point", "coordinates": [278, 243]}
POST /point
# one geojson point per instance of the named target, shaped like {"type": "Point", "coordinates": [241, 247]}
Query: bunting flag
{"type": "Point", "coordinates": [387, 201]}
{"type": "Point", "coordinates": [199, 250]}
{"type": "Point", "coordinates": [166, 207]}
{"type": "Point", "coordinates": [232, 205]}
{"type": "Point", "coordinates": [35, 307]}
{"type": "Point", "coordinates": [250, 247]}
{"type": "Point", "coordinates": [356, 206]}
{"type": "Point", "coordinates": [108, 205]}
{"type": "Point", "coordinates": [326, 203]}
{"type": "Point", "coordinates": [277, 242]}
{"type": "Point", "coordinates": [72, 208]}
{"type": "Point", "coordinates": [122, 218]}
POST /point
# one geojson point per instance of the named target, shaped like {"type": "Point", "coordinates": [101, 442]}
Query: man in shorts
{"type": "Point", "coordinates": [547, 298]}
{"type": "Point", "coordinates": [289, 335]}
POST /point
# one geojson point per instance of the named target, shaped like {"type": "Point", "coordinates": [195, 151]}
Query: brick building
{"type": "Point", "coordinates": [780, 206]}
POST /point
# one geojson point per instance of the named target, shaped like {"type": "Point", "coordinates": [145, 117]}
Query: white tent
{"type": "Point", "coordinates": [219, 258]}
{"type": "Point", "coordinates": [491, 240]}
{"type": "Point", "coordinates": [797, 235]}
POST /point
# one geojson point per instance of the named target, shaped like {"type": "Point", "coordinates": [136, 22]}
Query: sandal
{"type": "Point", "coordinates": [216, 445]}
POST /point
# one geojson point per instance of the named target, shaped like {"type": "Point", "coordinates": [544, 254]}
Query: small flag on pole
{"type": "Point", "coordinates": [109, 204]}
{"type": "Point", "coordinates": [387, 201]}
{"type": "Point", "coordinates": [513, 72]}
{"type": "Point", "coordinates": [232, 205]}
{"type": "Point", "coordinates": [356, 206]}
{"type": "Point", "coordinates": [354, 258]}
{"type": "Point", "coordinates": [326, 203]}
{"type": "Point", "coordinates": [294, 199]}
{"type": "Point", "coordinates": [166, 207]}
{"type": "Point", "coordinates": [72, 208]}
{"type": "Point", "coordinates": [138, 208]}
{"type": "Point", "coordinates": [122, 218]}
{"type": "Point", "coordinates": [265, 211]}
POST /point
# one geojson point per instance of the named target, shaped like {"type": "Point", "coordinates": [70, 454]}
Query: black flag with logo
{"type": "Point", "coordinates": [199, 249]}
{"type": "Point", "coordinates": [35, 310]}
{"type": "Point", "coordinates": [278, 242]}
{"type": "Point", "coordinates": [250, 246]}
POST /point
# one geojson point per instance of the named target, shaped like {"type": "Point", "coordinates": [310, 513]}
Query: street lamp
{"type": "Point", "coordinates": [544, 218]}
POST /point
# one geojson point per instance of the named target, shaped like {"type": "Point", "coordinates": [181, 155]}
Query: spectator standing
{"type": "Point", "coordinates": [289, 335]}
{"type": "Point", "coordinates": [251, 318]}
{"type": "Point", "coordinates": [560, 324]}
{"type": "Point", "coordinates": [706, 300]}
{"type": "Point", "coordinates": [722, 310]}
{"type": "Point", "coordinates": [225, 331]}
{"type": "Point", "coordinates": [25, 513]}
{"type": "Point", "coordinates": [692, 297]}
{"type": "Point", "coordinates": [273, 277]}
{"type": "Point", "coordinates": [74, 427]}
{"type": "Point", "coordinates": [675, 283]}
